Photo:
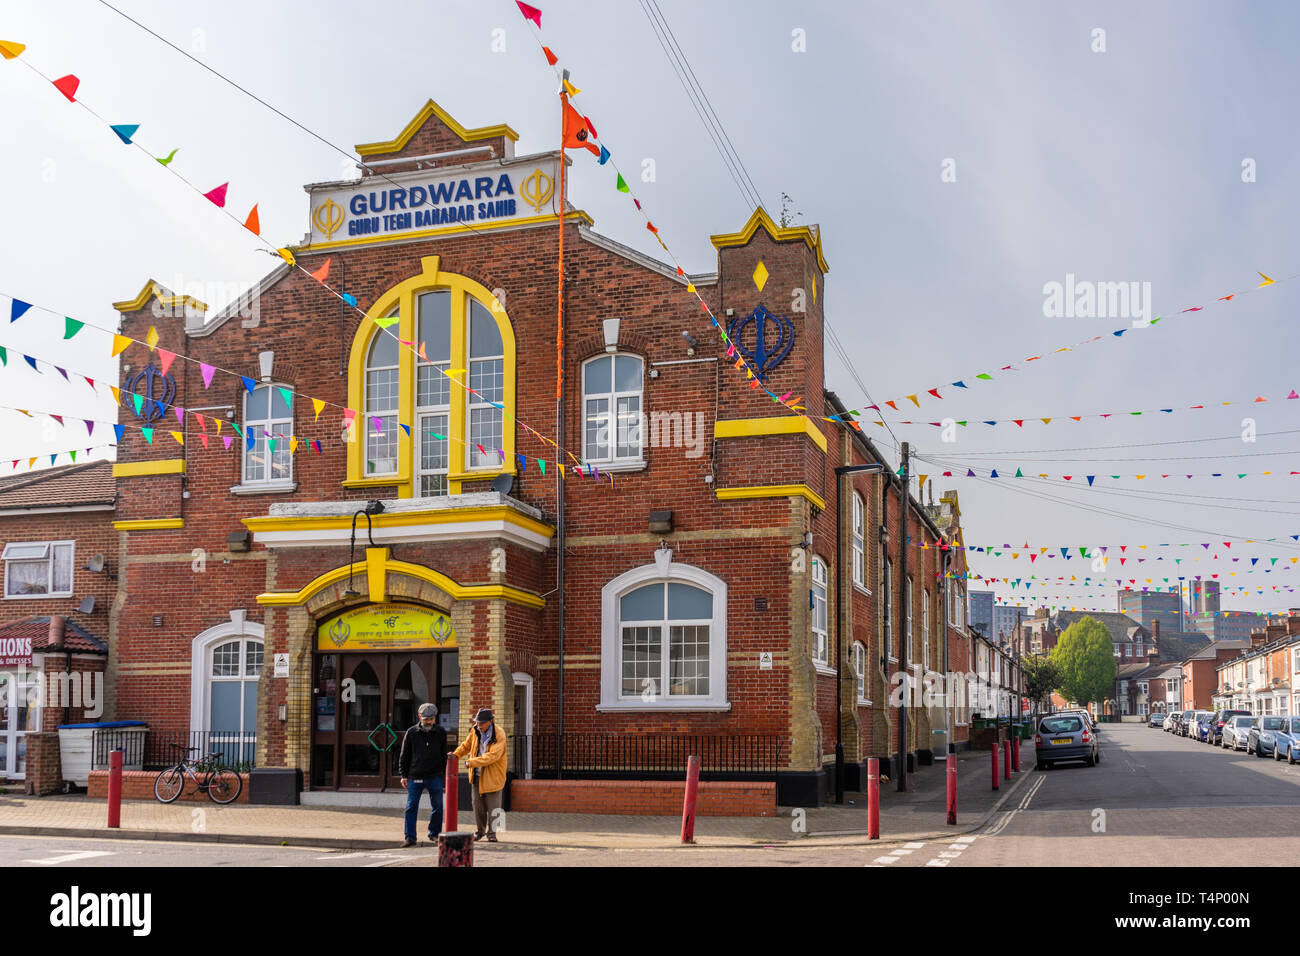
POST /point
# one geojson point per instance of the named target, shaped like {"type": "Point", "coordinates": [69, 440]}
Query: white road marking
{"type": "Point", "coordinates": [937, 863]}
{"type": "Point", "coordinates": [964, 839]}
{"type": "Point", "coordinates": [903, 852]}
{"type": "Point", "coordinates": [887, 859]}
{"type": "Point", "coordinates": [69, 857]}
{"type": "Point", "coordinates": [950, 856]}
{"type": "Point", "coordinates": [914, 846]}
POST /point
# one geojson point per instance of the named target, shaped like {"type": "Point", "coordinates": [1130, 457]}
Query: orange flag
{"type": "Point", "coordinates": [252, 224]}
{"type": "Point", "coordinates": [576, 131]}
{"type": "Point", "coordinates": [321, 274]}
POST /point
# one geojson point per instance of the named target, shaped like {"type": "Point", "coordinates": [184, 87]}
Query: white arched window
{"type": "Point", "coordinates": [817, 604]}
{"type": "Point", "coordinates": [859, 541]}
{"type": "Point", "coordinates": [860, 668]}
{"type": "Point", "coordinates": [268, 421]}
{"type": "Point", "coordinates": [664, 640]}
{"type": "Point", "coordinates": [433, 392]}
{"type": "Point", "coordinates": [612, 388]}
{"type": "Point", "coordinates": [379, 423]}
{"type": "Point", "coordinates": [226, 666]}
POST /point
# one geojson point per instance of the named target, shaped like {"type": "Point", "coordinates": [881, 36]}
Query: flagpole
{"type": "Point", "coordinates": [560, 465]}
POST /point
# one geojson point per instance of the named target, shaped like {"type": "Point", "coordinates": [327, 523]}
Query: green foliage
{"type": "Point", "coordinates": [1042, 676]}
{"type": "Point", "coordinates": [1085, 658]}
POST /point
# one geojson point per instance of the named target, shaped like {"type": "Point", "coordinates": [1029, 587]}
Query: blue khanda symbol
{"type": "Point", "coordinates": [157, 389]}
{"type": "Point", "coordinates": [773, 338]}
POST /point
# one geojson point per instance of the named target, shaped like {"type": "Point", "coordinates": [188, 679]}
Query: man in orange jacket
{"type": "Point", "coordinates": [486, 747]}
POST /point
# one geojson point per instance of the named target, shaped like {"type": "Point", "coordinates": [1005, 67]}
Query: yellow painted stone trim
{"type": "Point", "coordinates": [401, 519]}
{"type": "Point", "coordinates": [773, 491]}
{"type": "Point", "coordinates": [780, 234]}
{"type": "Point", "coordinates": [427, 111]}
{"type": "Point", "coordinates": [376, 575]}
{"type": "Point", "coordinates": [168, 301]}
{"type": "Point", "coordinates": [163, 466]}
{"type": "Point", "coordinates": [437, 233]}
{"type": "Point", "coordinates": [780, 425]}
{"type": "Point", "coordinates": [149, 524]}
{"type": "Point", "coordinates": [459, 592]}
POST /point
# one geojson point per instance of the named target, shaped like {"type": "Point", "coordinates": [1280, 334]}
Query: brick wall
{"type": "Point", "coordinates": [642, 797]}
{"type": "Point", "coordinates": [138, 785]}
{"type": "Point", "coordinates": [44, 770]}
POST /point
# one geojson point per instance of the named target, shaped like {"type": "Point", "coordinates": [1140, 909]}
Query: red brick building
{"type": "Point", "coordinates": [60, 558]}
{"type": "Point", "coordinates": [263, 601]}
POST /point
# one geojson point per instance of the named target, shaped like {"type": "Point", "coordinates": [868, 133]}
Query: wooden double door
{"type": "Point", "coordinates": [364, 703]}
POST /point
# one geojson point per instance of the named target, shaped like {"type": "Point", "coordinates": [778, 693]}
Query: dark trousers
{"type": "Point", "coordinates": [413, 790]}
{"type": "Point", "coordinates": [484, 805]}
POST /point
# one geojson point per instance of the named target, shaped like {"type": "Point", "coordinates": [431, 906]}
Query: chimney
{"type": "Point", "coordinates": [57, 622]}
{"type": "Point", "coordinates": [1293, 621]}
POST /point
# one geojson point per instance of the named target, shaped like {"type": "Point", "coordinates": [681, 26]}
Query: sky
{"type": "Point", "coordinates": [957, 157]}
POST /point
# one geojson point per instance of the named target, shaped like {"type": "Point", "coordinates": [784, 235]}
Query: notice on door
{"type": "Point", "coordinates": [387, 627]}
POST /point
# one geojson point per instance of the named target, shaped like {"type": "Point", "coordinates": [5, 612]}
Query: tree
{"type": "Point", "coordinates": [1042, 676]}
{"type": "Point", "coordinates": [1085, 658]}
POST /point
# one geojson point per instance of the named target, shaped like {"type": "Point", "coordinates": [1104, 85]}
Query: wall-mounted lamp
{"type": "Point", "coordinates": [806, 541]}
{"type": "Point", "coordinates": [690, 342]}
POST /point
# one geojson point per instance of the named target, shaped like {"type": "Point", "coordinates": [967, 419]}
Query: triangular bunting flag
{"type": "Point", "coordinates": [125, 131]}
{"type": "Point", "coordinates": [217, 195]}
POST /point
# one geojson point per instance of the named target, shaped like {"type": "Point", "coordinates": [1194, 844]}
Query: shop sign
{"type": "Point", "coordinates": [386, 627]}
{"type": "Point", "coordinates": [15, 652]}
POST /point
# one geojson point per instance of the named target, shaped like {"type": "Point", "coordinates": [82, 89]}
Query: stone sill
{"type": "Point", "coordinates": [265, 488]}
{"type": "Point", "coordinates": [628, 707]}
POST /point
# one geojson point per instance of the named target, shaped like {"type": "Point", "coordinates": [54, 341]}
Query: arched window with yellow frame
{"type": "Point", "coordinates": [418, 427]}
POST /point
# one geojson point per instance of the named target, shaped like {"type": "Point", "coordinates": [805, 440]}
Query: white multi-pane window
{"type": "Point", "coordinates": [38, 569]}
{"type": "Point", "coordinates": [886, 603]}
{"type": "Point", "coordinates": [433, 393]}
{"type": "Point", "coordinates": [268, 418]}
{"type": "Point", "coordinates": [232, 697]}
{"type": "Point", "coordinates": [664, 631]}
{"type": "Point", "coordinates": [487, 384]}
{"type": "Point", "coordinates": [925, 627]}
{"type": "Point", "coordinates": [859, 541]}
{"type": "Point", "coordinates": [821, 639]}
{"type": "Point", "coordinates": [379, 420]}
{"type": "Point", "coordinates": [612, 388]}
{"type": "Point", "coordinates": [860, 668]}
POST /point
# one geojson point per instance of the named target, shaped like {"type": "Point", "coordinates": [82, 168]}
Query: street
{"type": "Point", "coordinates": [1154, 800]}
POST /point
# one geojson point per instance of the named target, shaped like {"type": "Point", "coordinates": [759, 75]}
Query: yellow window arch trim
{"type": "Point", "coordinates": [376, 568]}
{"type": "Point", "coordinates": [402, 298]}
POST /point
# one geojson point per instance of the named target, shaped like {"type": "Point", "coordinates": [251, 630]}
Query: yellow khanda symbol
{"type": "Point", "coordinates": [538, 189]}
{"type": "Point", "coordinates": [328, 217]}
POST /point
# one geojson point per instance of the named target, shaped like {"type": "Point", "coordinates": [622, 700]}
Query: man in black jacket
{"type": "Point", "coordinates": [422, 763]}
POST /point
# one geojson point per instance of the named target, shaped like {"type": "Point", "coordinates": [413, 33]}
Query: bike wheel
{"type": "Point", "coordinates": [169, 785]}
{"type": "Point", "coordinates": [225, 786]}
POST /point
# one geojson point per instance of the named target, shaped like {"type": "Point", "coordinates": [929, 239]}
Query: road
{"type": "Point", "coordinates": [1154, 800]}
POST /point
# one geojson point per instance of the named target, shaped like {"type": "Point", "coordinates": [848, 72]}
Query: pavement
{"type": "Point", "coordinates": [916, 815]}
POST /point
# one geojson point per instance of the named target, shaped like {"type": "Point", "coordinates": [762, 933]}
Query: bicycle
{"type": "Point", "coordinates": [221, 784]}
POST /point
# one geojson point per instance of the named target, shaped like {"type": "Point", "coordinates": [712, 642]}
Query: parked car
{"type": "Point", "coordinates": [1185, 720]}
{"type": "Point", "coordinates": [1286, 740]}
{"type": "Point", "coordinates": [1066, 736]}
{"type": "Point", "coordinates": [1263, 735]}
{"type": "Point", "coordinates": [1236, 730]}
{"type": "Point", "coordinates": [1220, 718]}
{"type": "Point", "coordinates": [1204, 721]}
{"type": "Point", "coordinates": [1155, 719]}
{"type": "Point", "coordinates": [1170, 721]}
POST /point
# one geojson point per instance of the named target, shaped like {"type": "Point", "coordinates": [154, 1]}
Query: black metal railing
{"type": "Point", "coordinates": [646, 756]}
{"type": "Point", "coordinates": [237, 749]}
{"type": "Point", "coordinates": [104, 742]}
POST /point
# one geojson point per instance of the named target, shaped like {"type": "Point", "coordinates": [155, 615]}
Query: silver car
{"type": "Point", "coordinates": [1065, 737]}
{"type": "Point", "coordinates": [1236, 731]}
{"type": "Point", "coordinates": [1170, 721]}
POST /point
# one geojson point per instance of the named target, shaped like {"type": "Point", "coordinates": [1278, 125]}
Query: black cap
{"type": "Point", "coordinates": [484, 716]}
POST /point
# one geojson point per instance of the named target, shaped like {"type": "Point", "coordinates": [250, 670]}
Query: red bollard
{"type": "Point", "coordinates": [873, 798]}
{"type": "Point", "coordinates": [115, 790]}
{"type": "Point", "coordinates": [952, 788]}
{"type": "Point", "coordinates": [688, 804]}
{"type": "Point", "coordinates": [995, 764]}
{"type": "Point", "coordinates": [1015, 753]}
{"type": "Point", "coordinates": [451, 796]}
{"type": "Point", "coordinates": [1006, 761]}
